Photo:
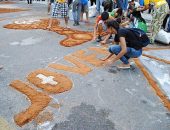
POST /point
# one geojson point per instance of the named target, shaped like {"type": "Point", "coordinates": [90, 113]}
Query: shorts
{"type": "Point", "coordinates": [84, 8]}
{"type": "Point", "coordinates": [60, 9]}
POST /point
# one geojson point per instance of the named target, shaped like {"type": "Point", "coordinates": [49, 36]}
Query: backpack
{"type": "Point", "coordinates": [141, 35]}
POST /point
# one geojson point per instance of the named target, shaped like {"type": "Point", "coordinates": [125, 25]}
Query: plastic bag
{"type": "Point", "coordinates": [163, 37]}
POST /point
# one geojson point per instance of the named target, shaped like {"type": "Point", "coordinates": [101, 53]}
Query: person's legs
{"type": "Point", "coordinates": [158, 16]}
{"type": "Point", "coordinates": [78, 13]}
{"type": "Point", "coordinates": [87, 12]}
{"type": "Point", "coordinates": [49, 6]}
{"type": "Point", "coordinates": [98, 4]}
{"type": "Point", "coordinates": [131, 53]}
{"type": "Point", "coordinates": [54, 14]}
{"type": "Point", "coordinates": [119, 4]}
{"type": "Point", "coordinates": [74, 12]}
{"type": "Point", "coordinates": [64, 12]}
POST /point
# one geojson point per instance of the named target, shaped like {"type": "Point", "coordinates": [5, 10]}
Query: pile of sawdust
{"type": "Point", "coordinates": [7, 2]}
{"type": "Point", "coordinates": [8, 10]}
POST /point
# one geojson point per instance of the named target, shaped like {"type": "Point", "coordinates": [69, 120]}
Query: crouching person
{"type": "Point", "coordinates": [131, 41]}
{"type": "Point", "coordinates": [100, 25]}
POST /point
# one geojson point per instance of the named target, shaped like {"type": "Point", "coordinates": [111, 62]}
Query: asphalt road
{"type": "Point", "coordinates": [104, 98]}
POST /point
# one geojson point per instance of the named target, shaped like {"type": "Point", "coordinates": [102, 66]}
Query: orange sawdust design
{"type": "Point", "coordinates": [8, 10]}
{"type": "Point", "coordinates": [63, 82]}
{"type": "Point", "coordinates": [56, 106]}
{"type": "Point", "coordinates": [99, 50]}
{"type": "Point", "coordinates": [155, 58]}
{"type": "Point", "coordinates": [153, 83]}
{"type": "Point", "coordinates": [73, 37]}
{"type": "Point", "coordinates": [7, 2]}
{"type": "Point", "coordinates": [38, 100]}
{"type": "Point", "coordinates": [43, 117]}
{"type": "Point", "coordinates": [78, 68]}
{"type": "Point", "coordinates": [151, 48]}
{"type": "Point", "coordinates": [90, 58]}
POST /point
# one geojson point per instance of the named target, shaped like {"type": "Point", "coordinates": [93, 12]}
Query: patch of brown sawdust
{"type": "Point", "coordinates": [43, 117]}
{"type": "Point", "coordinates": [79, 67]}
{"type": "Point", "coordinates": [156, 58]}
{"type": "Point", "coordinates": [56, 106]}
{"type": "Point", "coordinates": [154, 48]}
{"type": "Point", "coordinates": [64, 83]}
{"type": "Point", "coordinates": [7, 2]}
{"type": "Point", "coordinates": [90, 58]}
{"type": "Point", "coordinates": [8, 10]}
{"type": "Point", "coordinates": [154, 84]}
{"type": "Point", "coordinates": [38, 100]}
{"type": "Point", "coordinates": [73, 37]}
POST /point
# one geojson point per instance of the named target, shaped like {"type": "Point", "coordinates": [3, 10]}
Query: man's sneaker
{"type": "Point", "coordinates": [99, 39]}
{"type": "Point", "coordinates": [75, 24]}
{"type": "Point", "coordinates": [78, 23]}
{"type": "Point", "coordinates": [110, 37]}
{"type": "Point", "coordinates": [124, 66]}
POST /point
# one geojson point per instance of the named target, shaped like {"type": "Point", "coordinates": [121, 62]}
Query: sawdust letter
{"type": "Point", "coordinates": [38, 100]}
{"type": "Point", "coordinates": [91, 58]}
{"type": "Point", "coordinates": [80, 68]}
{"type": "Point", "coordinates": [51, 82]}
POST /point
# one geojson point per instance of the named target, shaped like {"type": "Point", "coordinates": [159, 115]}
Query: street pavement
{"type": "Point", "coordinates": [47, 86]}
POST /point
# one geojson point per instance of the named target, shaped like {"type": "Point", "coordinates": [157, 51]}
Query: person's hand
{"type": "Point", "coordinates": [103, 59]}
{"type": "Point", "coordinates": [103, 42]}
{"type": "Point", "coordinates": [94, 38]}
{"type": "Point", "coordinates": [108, 63]}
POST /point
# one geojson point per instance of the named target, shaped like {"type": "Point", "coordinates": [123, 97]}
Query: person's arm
{"type": "Point", "coordinates": [105, 39]}
{"type": "Point", "coordinates": [123, 49]}
{"type": "Point", "coordinates": [94, 32]}
{"type": "Point", "coordinates": [50, 23]}
{"type": "Point", "coordinates": [122, 52]}
{"type": "Point", "coordinates": [124, 23]}
{"type": "Point", "coordinates": [110, 55]}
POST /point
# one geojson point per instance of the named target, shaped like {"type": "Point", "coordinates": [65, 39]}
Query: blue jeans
{"type": "Point", "coordinates": [76, 10]}
{"type": "Point", "coordinates": [98, 4]}
{"type": "Point", "coordinates": [131, 53]}
{"type": "Point", "coordinates": [122, 4]}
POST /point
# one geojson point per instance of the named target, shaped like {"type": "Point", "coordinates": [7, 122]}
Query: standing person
{"type": "Point", "coordinates": [130, 42]}
{"type": "Point", "coordinates": [159, 11]}
{"type": "Point", "coordinates": [60, 8]}
{"type": "Point", "coordinates": [98, 5]}
{"type": "Point", "coordinates": [29, 1]}
{"type": "Point", "coordinates": [84, 9]}
{"type": "Point", "coordinates": [50, 2]}
{"type": "Point", "coordinates": [76, 11]}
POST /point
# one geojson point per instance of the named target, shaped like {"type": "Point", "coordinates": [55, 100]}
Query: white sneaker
{"type": "Point", "coordinates": [124, 66]}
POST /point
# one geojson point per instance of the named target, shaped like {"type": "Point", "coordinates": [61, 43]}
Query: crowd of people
{"type": "Point", "coordinates": [119, 17]}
